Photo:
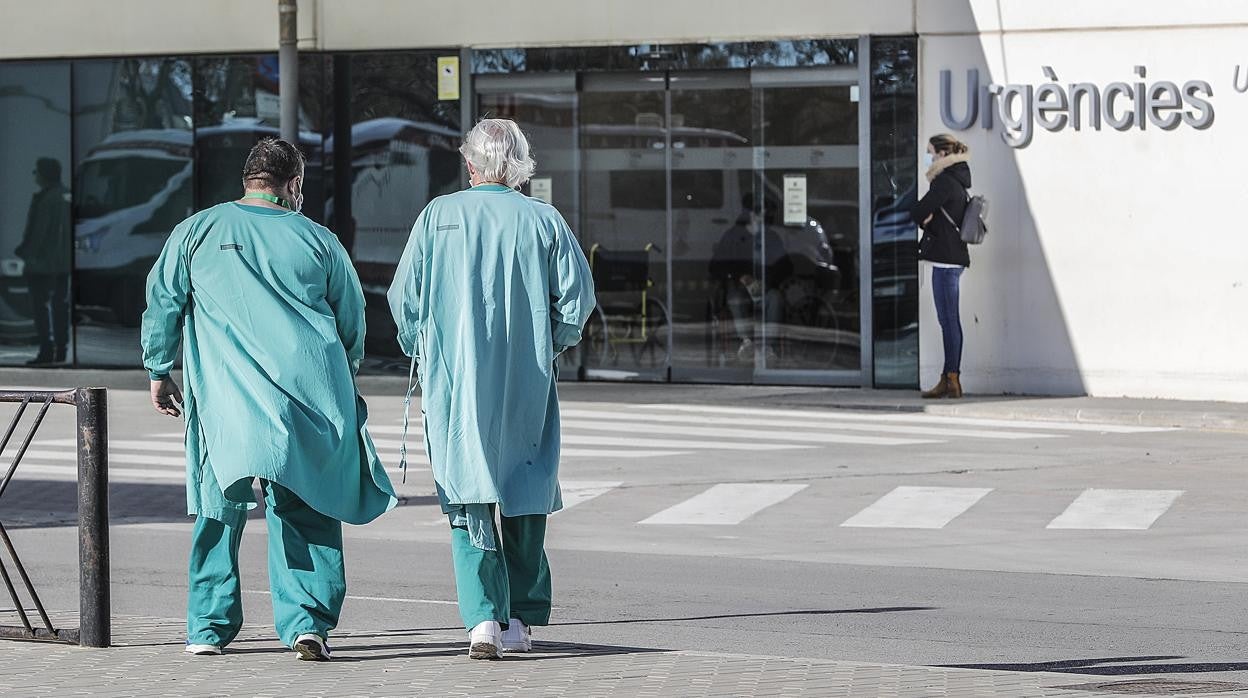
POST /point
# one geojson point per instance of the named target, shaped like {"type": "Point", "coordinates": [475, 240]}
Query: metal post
{"type": "Point", "coordinates": [288, 68]}
{"type": "Point", "coordinates": [93, 564]}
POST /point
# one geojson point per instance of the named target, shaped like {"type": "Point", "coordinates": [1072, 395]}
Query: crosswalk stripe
{"type": "Point", "coordinates": [617, 453]}
{"type": "Point", "coordinates": [129, 458]}
{"type": "Point", "coordinates": [119, 444]}
{"type": "Point", "coordinates": [918, 507]}
{"type": "Point", "coordinates": [585, 440]}
{"type": "Point", "coordinates": [790, 424]}
{"type": "Point", "coordinates": [574, 492]}
{"type": "Point", "coordinates": [123, 474]}
{"type": "Point", "coordinates": [70, 472]}
{"type": "Point", "coordinates": [917, 418]}
{"type": "Point", "coordinates": [580, 491]}
{"type": "Point", "coordinates": [726, 504]}
{"type": "Point", "coordinates": [734, 433]}
{"type": "Point", "coordinates": [1120, 510]}
{"type": "Point", "coordinates": [416, 442]}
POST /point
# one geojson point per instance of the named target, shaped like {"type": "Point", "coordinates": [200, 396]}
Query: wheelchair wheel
{"type": "Point", "coordinates": [812, 334]}
{"type": "Point", "coordinates": [595, 344]}
{"type": "Point", "coordinates": [653, 351]}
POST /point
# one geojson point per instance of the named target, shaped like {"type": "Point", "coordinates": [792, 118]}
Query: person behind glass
{"type": "Point", "coordinates": [491, 288]}
{"type": "Point", "coordinates": [733, 266]}
{"type": "Point", "coordinates": [45, 252]}
{"type": "Point", "coordinates": [942, 247]}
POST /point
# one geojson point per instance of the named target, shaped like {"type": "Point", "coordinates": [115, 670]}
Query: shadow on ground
{"type": "Point", "coordinates": [1111, 666]}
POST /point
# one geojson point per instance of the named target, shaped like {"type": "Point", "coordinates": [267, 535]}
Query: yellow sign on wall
{"type": "Point", "coordinates": [448, 77]}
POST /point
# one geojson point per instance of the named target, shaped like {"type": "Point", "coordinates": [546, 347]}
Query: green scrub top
{"type": "Point", "coordinates": [492, 286]}
{"type": "Point", "coordinates": [269, 314]}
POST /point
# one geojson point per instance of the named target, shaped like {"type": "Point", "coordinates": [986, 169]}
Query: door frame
{"type": "Point", "coordinates": [858, 76]}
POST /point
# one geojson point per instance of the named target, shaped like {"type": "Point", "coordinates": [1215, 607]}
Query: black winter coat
{"type": "Point", "coordinates": [941, 241]}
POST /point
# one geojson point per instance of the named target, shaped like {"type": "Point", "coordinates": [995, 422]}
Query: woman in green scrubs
{"type": "Point", "coordinates": [491, 288]}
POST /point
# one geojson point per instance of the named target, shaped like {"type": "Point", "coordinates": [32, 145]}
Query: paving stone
{"type": "Point", "coordinates": [147, 659]}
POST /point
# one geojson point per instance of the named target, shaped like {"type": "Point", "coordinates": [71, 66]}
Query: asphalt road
{"type": "Point", "coordinates": [718, 525]}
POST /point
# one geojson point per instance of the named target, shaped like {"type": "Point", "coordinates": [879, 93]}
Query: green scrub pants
{"type": "Point", "coordinates": [307, 580]}
{"type": "Point", "coordinates": [513, 582]}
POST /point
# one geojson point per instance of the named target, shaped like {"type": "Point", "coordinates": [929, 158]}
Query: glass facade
{"type": "Point", "coordinates": [894, 191]}
{"type": "Point", "coordinates": [35, 214]}
{"type": "Point", "coordinates": [716, 188]}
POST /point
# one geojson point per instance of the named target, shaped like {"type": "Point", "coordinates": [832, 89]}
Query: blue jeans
{"type": "Point", "coordinates": [945, 290]}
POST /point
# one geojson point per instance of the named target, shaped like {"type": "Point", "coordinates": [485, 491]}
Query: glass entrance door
{"type": "Point", "coordinates": [809, 260]}
{"type": "Point", "coordinates": [625, 146]}
{"type": "Point", "coordinates": [719, 211]}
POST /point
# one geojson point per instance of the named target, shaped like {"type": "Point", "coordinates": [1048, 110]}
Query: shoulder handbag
{"type": "Point", "coordinates": [974, 227]}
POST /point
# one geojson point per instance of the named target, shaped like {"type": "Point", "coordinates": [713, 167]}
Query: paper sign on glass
{"type": "Point", "coordinates": [448, 77]}
{"type": "Point", "coordinates": [795, 200]}
{"type": "Point", "coordinates": [540, 188]}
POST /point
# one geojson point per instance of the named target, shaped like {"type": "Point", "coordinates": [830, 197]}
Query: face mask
{"type": "Point", "coordinates": [296, 200]}
{"type": "Point", "coordinates": [928, 160]}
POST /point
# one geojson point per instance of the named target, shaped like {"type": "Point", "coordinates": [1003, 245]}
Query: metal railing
{"type": "Point", "coordinates": [95, 628]}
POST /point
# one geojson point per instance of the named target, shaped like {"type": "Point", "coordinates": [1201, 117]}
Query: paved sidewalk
{"type": "Point", "coordinates": [147, 660]}
{"type": "Point", "coordinates": [1184, 414]}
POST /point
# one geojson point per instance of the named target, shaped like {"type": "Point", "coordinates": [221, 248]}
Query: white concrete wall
{"type": "Point", "coordinates": [56, 28]}
{"type": "Point", "coordinates": [1117, 263]}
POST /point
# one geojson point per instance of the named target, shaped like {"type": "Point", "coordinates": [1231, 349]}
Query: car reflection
{"type": "Point", "coordinates": [134, 187]}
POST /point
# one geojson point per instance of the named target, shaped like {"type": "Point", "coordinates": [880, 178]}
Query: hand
{"type": "Point", "coordinates": [166, 397]}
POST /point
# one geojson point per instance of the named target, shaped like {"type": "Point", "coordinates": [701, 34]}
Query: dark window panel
{"type": "Point", "coordinates": [134, 181]}
{"type": "Point", "coordinates": [894, 143]}
{"type": "Point", "coordinates": [35, 226]}
{"type": "Point", "coordinates": [404, 152]}
{"type": "Point", "coordinates": [236, 104]}
{"type": "Point", "coordinates": [753, 54]}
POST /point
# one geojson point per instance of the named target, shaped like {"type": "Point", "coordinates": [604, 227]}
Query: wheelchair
{"type": "Point", "coordinates": [630, 324]}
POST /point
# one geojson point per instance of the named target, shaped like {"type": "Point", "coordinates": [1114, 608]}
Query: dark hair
{"type": "Point", "coordinates": [274, 162]}
{"type": "Point", "coordinates": [49, 169]}
{"type": "Point", "coordinates": [947, 143]}
{"type": "Point", "coordinates": [749, 203]}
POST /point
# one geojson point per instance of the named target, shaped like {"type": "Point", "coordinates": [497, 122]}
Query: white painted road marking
{"type": "Point", "coordinates": [127, 458]}
{"type": "Point", "coordinates": [70, 473]}
{"type": "Point", "coordinates": [918, 507]}
{"type": "Point", "coordinates": [1119, 510]}
{"type": "Point", "coordinates": [118, 444]}
{"type": "Point", "coordinates": [734, 433]}
{"type": "Point", "coordinates": [726, 504]}
{"type": "Point", "coordinates": [824, 426]}
{"type": "Point", "coordinates": [917, 418]}
{"type": "Point", "coordinates": [579, 491]}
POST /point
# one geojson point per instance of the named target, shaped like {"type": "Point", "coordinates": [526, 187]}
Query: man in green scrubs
{"type": "Point", "coordinates": [491, 288]}
{"type": "Point", "coordinates": [269, 314]}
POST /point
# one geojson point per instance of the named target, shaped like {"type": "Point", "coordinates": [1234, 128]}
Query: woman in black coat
{"type": "Point", "coordinates": [942, 247]}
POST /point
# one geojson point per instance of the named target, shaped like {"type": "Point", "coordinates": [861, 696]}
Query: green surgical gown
{"type": "Point", "coordinates": [270, 316]}
{"type": "Point", "coordinates": [491, 287]}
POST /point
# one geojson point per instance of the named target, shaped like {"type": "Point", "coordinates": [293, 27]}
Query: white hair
{"type": "Point", "coordinates": [499, 152]}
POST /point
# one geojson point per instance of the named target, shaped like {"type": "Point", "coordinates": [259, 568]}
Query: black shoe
{"type": "Point", "coordinates": [61, 355]}
{"type": "Point", "coordinates": [44, 358]}
{"type": "Point", "coordinates": [311, 648]}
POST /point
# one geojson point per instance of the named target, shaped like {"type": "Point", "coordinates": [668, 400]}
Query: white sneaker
{"type": "Point", "coordinates": [312, 648]}
{"type": "Point", "coordinates": [484, 640]}
{"type": "Point", "coordinates": [203, 650]}
{"type": "Point", "coordinates": [518, 637]}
